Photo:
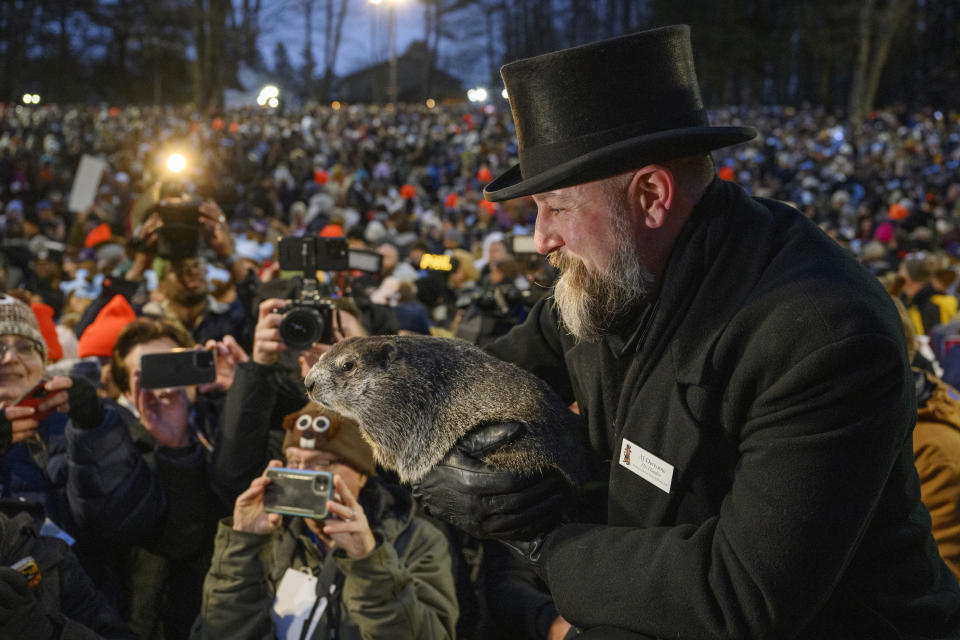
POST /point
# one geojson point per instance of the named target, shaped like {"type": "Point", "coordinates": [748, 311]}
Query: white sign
{"type": "Point", "coordinates": [85, 183]}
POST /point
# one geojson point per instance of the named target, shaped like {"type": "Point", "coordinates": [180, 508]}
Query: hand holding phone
{"type": "Point", "coordinates": [34, 398]}
{"type": "Point", "coordinates": [298, 492]}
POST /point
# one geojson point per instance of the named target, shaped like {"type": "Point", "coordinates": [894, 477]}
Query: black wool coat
{"type": "Point", "coordinates": [757, 421]}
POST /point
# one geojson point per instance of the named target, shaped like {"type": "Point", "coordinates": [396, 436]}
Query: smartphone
{"type": "Point", "coordinates": [177, 368]}
{"type": "Point", "coordinates": [179, 237]}
{"type": "Point", "coordinates": [297, 492]}
{"type": "Point", "coordinates": [33, 398]}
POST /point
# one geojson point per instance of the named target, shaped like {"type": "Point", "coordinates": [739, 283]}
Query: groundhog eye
{"type": "Point", "coordinates": [321, 423]}
{"type": "Point", "coordinates": [346, 366]}
{"type": "Point", "coordinates": [303, 422]}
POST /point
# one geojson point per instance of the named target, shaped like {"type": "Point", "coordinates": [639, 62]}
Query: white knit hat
{"type": "Point", "coordinates": [17, 319]}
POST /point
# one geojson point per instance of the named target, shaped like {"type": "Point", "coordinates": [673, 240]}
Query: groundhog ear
{"type": "Point", "coordinates": [386, 355]}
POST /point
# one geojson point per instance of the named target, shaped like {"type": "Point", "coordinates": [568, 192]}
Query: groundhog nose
{"type": "Point", "coordinates": [311, 379]}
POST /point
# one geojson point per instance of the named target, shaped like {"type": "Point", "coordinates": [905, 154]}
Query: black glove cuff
{"type": "Point", "coordinates": [86, 409]}
{"type": "Point", "coordinates": [527, 550]}
{"type": "Point", "coordinates": [6, 432]}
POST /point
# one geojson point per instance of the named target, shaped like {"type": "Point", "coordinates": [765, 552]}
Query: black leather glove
{"type": "Point", "coordinates": [6, 432]}
{"type": "Point", "coordinates": [86, 410]}
{"type": "Point", "coordinates": [491, 503]}
{"type": "Point", "coordinates": [21, 616]}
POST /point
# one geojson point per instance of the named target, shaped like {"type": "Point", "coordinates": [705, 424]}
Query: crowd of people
{"type": "Point", "coordinates": [156, 496]}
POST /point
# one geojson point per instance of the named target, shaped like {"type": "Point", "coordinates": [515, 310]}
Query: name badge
{"type": "Point", "coordinates": [654, 470]}
{"type": "Point", "coordinates": [296, 606]}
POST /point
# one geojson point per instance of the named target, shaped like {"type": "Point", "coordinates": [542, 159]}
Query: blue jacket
{"type": "Point", "coordinates": [93, 483]}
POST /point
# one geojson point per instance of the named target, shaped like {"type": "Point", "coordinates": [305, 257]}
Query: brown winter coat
{"type": "Point", "coordinates": [936, 452]}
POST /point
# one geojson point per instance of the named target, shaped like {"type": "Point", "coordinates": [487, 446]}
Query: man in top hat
{"type": "Point", "coordinates": [745, 378]}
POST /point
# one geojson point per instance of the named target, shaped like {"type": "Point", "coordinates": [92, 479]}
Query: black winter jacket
{"type": "Point", "coordinates": [757, 418]}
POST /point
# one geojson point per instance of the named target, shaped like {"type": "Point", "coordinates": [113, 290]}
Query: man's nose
{"type": "Point", "coordinates": [545, 236]}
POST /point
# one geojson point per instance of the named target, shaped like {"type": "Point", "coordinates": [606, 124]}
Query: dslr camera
{"type": "Point", "coordinates": [309, 318]}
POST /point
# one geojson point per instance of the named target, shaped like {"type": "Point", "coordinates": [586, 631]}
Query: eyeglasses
{"type": "Point", "coordinates": [21, 349]}
{"type": "Point", "coordinates": [314, 464]}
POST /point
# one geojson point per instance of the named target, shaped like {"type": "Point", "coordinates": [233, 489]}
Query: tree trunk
{"type": "Point", "coordinates": [877, 31]}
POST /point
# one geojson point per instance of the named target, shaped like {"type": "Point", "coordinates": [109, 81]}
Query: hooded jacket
{"type": "Point", "coordinates": [936, 453]}
{"type": "Point", "coordinates": [404, 589]}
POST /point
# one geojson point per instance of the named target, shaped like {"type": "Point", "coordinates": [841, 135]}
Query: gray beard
{"type": "Point", "coordinates": [590, 304]}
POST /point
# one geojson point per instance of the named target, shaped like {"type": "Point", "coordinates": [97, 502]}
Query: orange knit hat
{"type": "Point", "coordinates": [101, 233]}
{"type": "Point", "coordinates": [48, 330]}
{"type": "Point", "coordinates": [99, 337]}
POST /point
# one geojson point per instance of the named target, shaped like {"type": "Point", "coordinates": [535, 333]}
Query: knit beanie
{"type": "Point", "coordinates": [17, 319]}
{"type": "Point", "coordinates": [316, 427]}
{"type": "Point", "coordinates": [101, 233]}
{"type": "Point", "coordinates": [48, 329]}
{"type": "Point", "coordinates": [101, 334]}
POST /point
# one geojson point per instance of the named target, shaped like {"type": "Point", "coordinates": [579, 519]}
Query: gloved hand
{"type": "Point", "coordinates": [21, 616]}
{"type": "Point", "coordinates": [491, 503]}
{"type": "Point", "coordinates": [86, 410]}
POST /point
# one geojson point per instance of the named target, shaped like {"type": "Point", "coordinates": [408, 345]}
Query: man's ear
{"type": "Point", "coordinates": [653, 188]}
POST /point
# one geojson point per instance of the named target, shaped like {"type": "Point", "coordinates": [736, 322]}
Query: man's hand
{"type": "Point", "coordinates": [491, 503]}
{"type": "Point", "coordinates": [227, 355]}
{"type": "Point", "coordinates": [214, 225]}
{"type": "Point", "coordinates": [558, 629]}
{"type": "Point", "coordinates": [267, 343]}
{"type": "Point", "coordinates": [350, 530]}
{"type": "Point", "coordinates": [144, 247]}
{"type": "Point", "coordinates": [248, 513]}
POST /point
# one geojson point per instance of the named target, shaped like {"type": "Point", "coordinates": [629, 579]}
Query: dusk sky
{"type": "Point", "coordinates": [365, 33]}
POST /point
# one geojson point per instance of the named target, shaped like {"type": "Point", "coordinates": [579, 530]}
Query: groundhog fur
{"type": "Point", "coordinates": [415, 396]}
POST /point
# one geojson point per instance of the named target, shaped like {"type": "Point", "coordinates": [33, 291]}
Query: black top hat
{"type": "Point", "coordinates": [594, 111]}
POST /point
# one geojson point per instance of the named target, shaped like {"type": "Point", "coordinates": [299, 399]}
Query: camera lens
{"type": "Point", "coordinates": [300, 328]}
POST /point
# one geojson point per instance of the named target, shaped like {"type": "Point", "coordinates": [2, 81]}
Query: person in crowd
{"type": "Point", "coordinates": [746, 378]}
{"type": "Point", "coordinates": [936, 451]}
{"type": "Point", "coordinates": [265, 389]}
{"type": "Point", "coordinates": [184, 285]}
{"type": "Point", "coordinates": [173, 429]}
{"type": "Point", "coordinates": [70, 453]}
{"type": "Point", "coordinates": [44, 592]}
{"type": "Point", "coordinates": [918, 293]}
{"type": "Point", "coordinates": [370, 570]}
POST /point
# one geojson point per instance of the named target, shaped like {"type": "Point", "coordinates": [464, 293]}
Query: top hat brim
{"type": "Point", "coordinates": [616, 158]}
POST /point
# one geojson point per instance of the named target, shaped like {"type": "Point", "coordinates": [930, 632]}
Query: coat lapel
{"type": "Point", "coordinates": [668, 402]}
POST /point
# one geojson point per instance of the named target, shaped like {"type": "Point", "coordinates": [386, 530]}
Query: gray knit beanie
{"type": "Point", "coordinates": [17, 319]}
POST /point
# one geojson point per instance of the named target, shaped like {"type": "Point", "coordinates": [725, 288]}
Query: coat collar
{"type": "Point", "coordinates": [717, 259]}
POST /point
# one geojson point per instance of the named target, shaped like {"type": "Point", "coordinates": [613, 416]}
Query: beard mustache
{"type": "Point", "coordinates": [591, 304]}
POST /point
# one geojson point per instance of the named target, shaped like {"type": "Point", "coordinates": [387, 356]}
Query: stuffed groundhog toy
{"type": "Point", "coordinates": [415, 396]}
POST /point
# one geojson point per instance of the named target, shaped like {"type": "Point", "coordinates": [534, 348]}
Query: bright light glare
{"type": "Point", "coordinates": [36, 99]}
{"type": "Point", "coordinates": [273, 102]}
{"type": "Point", "coordinates": [269, 91]}
{"type": "Point", "coordinates": [27, 98]}
{"type": "Point", "coordinates": [504, 94]}
{"type": "Point", "coordinates": [431, 103]}
{"type": "Point", "coordinates": [477, 95]}
{"type": "Point", "coordinates": [335, 105]}
{"type": "Point", "coordinates": [176, 163]}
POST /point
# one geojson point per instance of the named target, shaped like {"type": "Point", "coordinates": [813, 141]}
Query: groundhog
{"type": "Point", "coordinates": [415, 396]}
